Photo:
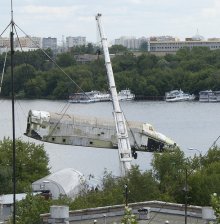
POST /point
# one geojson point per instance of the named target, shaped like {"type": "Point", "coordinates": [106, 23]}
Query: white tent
{"type": "Point", "coordinates": [63, 182]}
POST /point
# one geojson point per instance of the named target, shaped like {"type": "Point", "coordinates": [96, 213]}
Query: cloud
{"type": "Point", "coordinates": [50, 10]}
{"type": "Point", "coordinates": [212, 11]}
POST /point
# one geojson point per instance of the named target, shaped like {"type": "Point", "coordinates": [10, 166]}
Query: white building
{"type": "Point", "coordinates": [64, 182]}
{"type": "Point", "coordinates": [163, 38]}
{"type": "Point", "coordinates": [4, 42]}
{"type": "Point", "coordinates": [130, 42]}
{"type": "Point", "coordinates": [75, 41]}
{"type": "Point", "coordinates": [28, 42]}
{"type": "Point", "coordinates": [6, 205]}
{"type": "Point", "coordinates": [173, 46]}
{"type": "Point", "coordinates": [22, 43]}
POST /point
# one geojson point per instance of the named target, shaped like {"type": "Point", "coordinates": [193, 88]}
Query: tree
{"type": "Point", "coordinates": [142, 186]}
{"type": "Point", "coordinates": [90, 48]}
{"type": "Point", "coordinates": [65, 60]}
{"type": "Point", "coordinates": [129, 217]}
{"type": "Point", "coordinates": [116, 49]}
{"type": "Point", "coordinates": [31, 164]}
{"type": "Point", "coordinates": [215, 202]}
{"type": "Point", "coordinates": [168, 169]}
{"type": "Point", "coordinates": [144, 46]}
{"type": "Point", "coordinates": [30, 208]}
{"type": "Point", "coordinates": [205, 178]}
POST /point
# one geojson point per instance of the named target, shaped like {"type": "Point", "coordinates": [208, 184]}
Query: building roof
{"type": "Point", "coordinates": [7, 199]}
{"type": "Point", "coordinates": [67, 179]}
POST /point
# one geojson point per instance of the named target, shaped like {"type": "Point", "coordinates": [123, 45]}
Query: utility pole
{"type": "Point", "coordinates": [126, 195]}
{"type": "Point", "coordinates": [13, 116]}
{"type": "Point", "coordinates": [186, 195]}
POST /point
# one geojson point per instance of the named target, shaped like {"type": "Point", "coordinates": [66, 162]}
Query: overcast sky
{"type": "Point", "coordinates": [137, 18]}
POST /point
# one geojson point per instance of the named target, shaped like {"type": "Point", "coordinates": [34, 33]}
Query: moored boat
{"type": "Point", "coordinates": [97, 96]}
{"type": "Point", "coordinates": [209, 96]}
{"type": "Point", "coordinates": [126, 94]}
{"type": "Point", "coordinates": [178, 96]}
{"type": "Point", "coordinates": [89, 97]}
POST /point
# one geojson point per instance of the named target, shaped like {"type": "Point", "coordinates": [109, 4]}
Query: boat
{"type": "Point", "coordinates": [125, 95]}
{"type": "Point", "coordinates": [89, 97]}
{"type": "Point", "coordinates": [209, 96]}
{"type": "Point", "coordinates": [97, 96]}
{"type": "Point", "coordinates": [78, 130]}
{"type": "Point", "coordinates": [178, 96]}
{"type": "Point", "coordinates": [217, 94]}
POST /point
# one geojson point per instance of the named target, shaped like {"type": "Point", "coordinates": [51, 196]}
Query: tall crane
{"type": "Point", "coordinates": [124, 148]}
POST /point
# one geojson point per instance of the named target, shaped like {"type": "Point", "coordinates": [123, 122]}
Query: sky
{"type": "Point", "coordinates": [138, 18]}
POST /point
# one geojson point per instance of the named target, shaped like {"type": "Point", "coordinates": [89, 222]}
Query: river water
{"type": "Point", "coordinates": [190, 124]}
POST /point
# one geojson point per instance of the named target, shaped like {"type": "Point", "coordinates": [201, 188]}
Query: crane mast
{"type": "Point", "coordinates": [124, 148]}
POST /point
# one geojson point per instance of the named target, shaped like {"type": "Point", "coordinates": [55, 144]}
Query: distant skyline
{"type": "Point", "coordinates": [56, 18]}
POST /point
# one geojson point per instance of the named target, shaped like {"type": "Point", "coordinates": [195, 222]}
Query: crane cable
{"type": "Point", "coordinates": [3, 71]}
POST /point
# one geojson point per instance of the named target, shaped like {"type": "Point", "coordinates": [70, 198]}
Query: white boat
{"type": "Point", "coordinates": [209, 96]}
{"type": "Point", "coordinates": [89, 97]}
{"type": "Point", "coordinates": [126, 95]}
{"type": "Point", "coordinates": [178, 96]}
{"type": "Point", "coordinates": [97, 96]}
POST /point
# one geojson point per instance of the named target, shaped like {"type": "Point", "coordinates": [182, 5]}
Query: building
{"type": "Point", "coordinates": [130, 42]}
{"type": "Point", "coordinates": [49, 42]}
{"type": "Point", "coordinates": [174, 46]}
{"type": "Point", "coordinates": [22, 43]}
{"type": "Point", "coordinates": [27, 42]}
{"type": "Point", "coordinates": [63, 182]}
{"type": "Point", "coordinates": [154, 212]}
{"type": "Point", "coordinates": [4, 42]}
{"type": "Point", "coordinates": [75, 41]}
{"type": "Point", "coordinates": [163, 38]}
{"type": "Point", "coordinates": [6, 205]}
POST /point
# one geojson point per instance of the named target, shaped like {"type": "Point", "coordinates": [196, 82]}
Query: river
{"type": "Point", "coordinates": [190, 124]}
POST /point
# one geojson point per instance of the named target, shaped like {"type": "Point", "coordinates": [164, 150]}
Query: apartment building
{"type": "Point", "coordinates": [130, 42]}
{"type": "Point", "coordinates": [49, 42]}
{"type": "Point", "coordinates": [21, 42]}
{"type": "Point", "coordinates": [28, 42]}
{"type": "Point", "coordinates": [75, 41]}
{"type": "Point", "coordinates": [4, 42]}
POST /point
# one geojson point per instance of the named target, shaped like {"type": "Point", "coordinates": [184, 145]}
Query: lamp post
{"type": "Point", "coordinates": [186, 194]}
{"type": "Point", "coordinates": [126, 195]}
{"type": "Point", "coordinates": [104, 215]}
{"type": "Point", "coordinates": [191, 149]}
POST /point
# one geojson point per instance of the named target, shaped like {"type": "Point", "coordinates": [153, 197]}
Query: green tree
{"type": "Point", "coordinates": [205, 178]}
{"type": "Point", "coordinates": [30, 208]}
{"type": "Point", "coordinates": [215, 202]}
{"type": "Point", "coordinates": [144, 46]}
{"type": "Point", "coordinates": [142, 185]}
{"type": "Point", "coordinates": [31, 164]}
{"type": "Point", "coordinates": [117, 49]}
{"type": "Point", "coordinates": [65, 59]}
{"type": "Point", "coordinates": [169, 169]}
{"type": "Point", "coordinates": [90, 48]}
{"type": "Point", "coordinates": [129, 217]}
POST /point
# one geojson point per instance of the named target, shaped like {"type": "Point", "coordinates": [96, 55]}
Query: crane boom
{"type": "Point", "coordinates": [124, 148]}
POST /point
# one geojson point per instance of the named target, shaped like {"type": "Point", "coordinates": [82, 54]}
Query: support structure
{"type": "Point", "coordinates": [124, 148]}
{"type": "Point", "coordinates": [13, 115]}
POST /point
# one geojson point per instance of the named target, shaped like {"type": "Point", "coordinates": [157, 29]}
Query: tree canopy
{"type": "Point", "coordinates": [165, 181]}
{"type": "Point", "coordinates": [31, 164]}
